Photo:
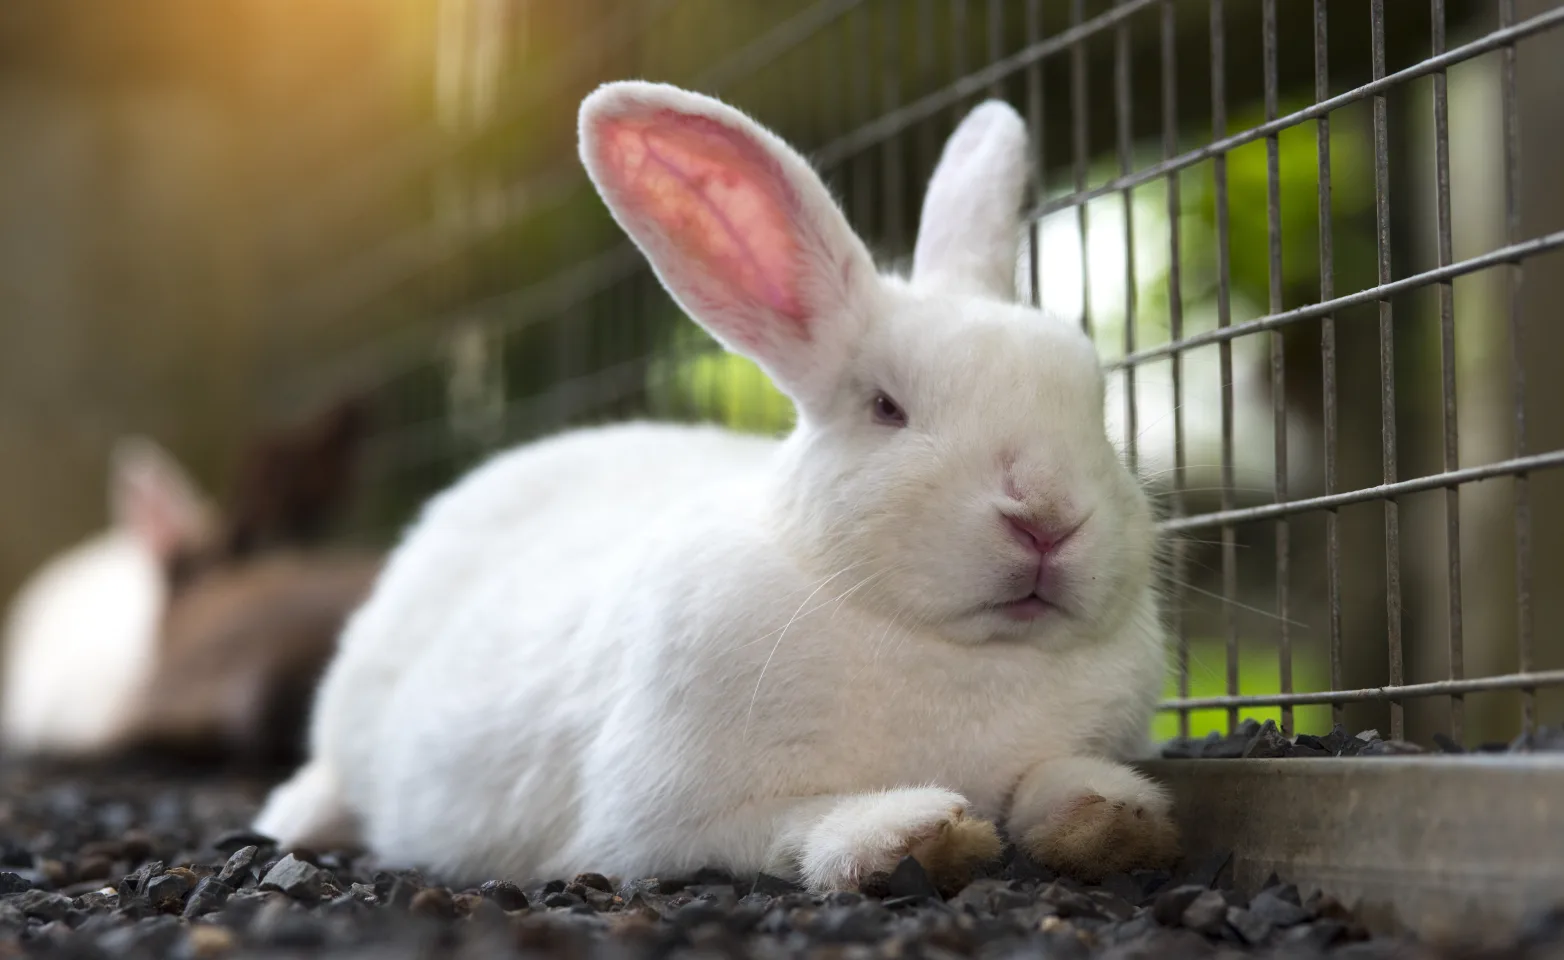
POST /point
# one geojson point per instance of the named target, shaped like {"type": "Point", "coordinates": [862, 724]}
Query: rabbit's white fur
{"type": "Point", "coordinates": [81, 634]}
{"type": "Point", "coordinates": [643, 648]}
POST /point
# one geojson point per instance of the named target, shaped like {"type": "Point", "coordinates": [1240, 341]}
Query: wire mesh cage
{"type": "Point", "coordinates": [1299, 234]}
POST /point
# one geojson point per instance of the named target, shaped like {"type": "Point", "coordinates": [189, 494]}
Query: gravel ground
{"type": "Point", "coordinates": [105, 863]}
{"type": "Point", "coordinates": [1255, 741]}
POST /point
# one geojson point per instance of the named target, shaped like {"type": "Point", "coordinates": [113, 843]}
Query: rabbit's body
{"type": "Point", "coordinates": [580, 751]}
{"type": "Point", "coordinates": [240, 653]}
{"type": "Point", "coordinates": [82, 634]}
{"type": "Point", "coordinates": [80, 640]}
{"type": "Point", "coordinates": [643, 648]}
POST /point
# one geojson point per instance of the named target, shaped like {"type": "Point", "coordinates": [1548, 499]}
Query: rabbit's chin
{"type": "Point", "coordinates": [1027, 609]}
{"type": "Point", "coordinates": [1030, 620]}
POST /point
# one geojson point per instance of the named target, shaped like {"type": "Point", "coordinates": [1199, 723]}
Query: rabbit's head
{"type": "Point", "coordinates": [155, 501]}
{"type": "Point", "coordinates": [292, 482]}
{"type": "Point", "coordinates": [950, 465]}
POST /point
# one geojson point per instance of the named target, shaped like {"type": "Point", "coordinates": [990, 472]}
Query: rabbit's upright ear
{"type": "Point", "coordinates": [968, 235]}
{"type": "Point", "coordinates": [737, 226]}
{"type": "Point", "coordinates": [151, 496]}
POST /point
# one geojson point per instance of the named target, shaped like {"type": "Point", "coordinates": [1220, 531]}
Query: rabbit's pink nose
{"type": "Point", "coordinates": [1044, 538]}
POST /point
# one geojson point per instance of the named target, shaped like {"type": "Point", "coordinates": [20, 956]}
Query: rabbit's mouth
{"type": "Point", "coordinates": [1030, 607]}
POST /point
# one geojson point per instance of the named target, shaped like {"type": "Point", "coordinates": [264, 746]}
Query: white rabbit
{"type": "Point", "coordinates": [81, 636]}
{"type": "Point", "coordinates": [644, 648]}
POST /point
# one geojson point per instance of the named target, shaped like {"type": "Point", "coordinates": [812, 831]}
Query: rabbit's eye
{"type": "Point", "coordinates": [888, 412]}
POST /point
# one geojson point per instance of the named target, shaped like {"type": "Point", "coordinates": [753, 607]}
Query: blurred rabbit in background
{"type": "Point", "coordinates": [184, 630]}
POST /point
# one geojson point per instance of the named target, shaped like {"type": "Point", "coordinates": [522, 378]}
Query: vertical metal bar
{"type": "Point", "coordinates": [1387, 367]}
{"type": "Point", "coordinates": [1273, 226]}
{"type": "Point", "coordinates": [1078, 124]}
{"type": "Point", "coordinates": [891, 149]}
{"type": "Point", "coordinates": [1122, 108]}
{"type": "Point", "coordinates": [1175, 334]}
{"type": "Point", "coordinates": [1034, 120]}
{"type": "Point", "coordinates": [1224, 314]}
{"type": "Point", "coordinates": [996, 42]}
{"type": "Point", "coordinates": [1328, 353]}
{"type": "Point", "coordinates": [1447, 369]}
{"type": "Point", "coordinates": [1514, 274]}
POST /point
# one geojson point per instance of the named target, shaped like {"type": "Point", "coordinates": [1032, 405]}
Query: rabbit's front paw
{"type": "Point", "coordinates": [1089, 817]}
{"type": "Point", "coordinates": [1091, 836]}
{"type": "Point", "coordinates": [869, 833]}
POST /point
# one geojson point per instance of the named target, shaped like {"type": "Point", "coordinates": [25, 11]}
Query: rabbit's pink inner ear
{"type": "Point", "coordinates": [725, 207]}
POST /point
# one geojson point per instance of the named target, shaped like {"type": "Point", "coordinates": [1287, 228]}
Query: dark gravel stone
{"type": "Point", "coordinates": [12, 883]}
{"type": "Point", "coordinates": [135, 885]}
{"type": "Point", "coordinates": [208, 895]}
{"type": "Point", "coordinates": [42, 903]}
{"type": "Point", "coordinates": [505, 895]}
{"type": "Point", "coordinates": [1069, 903]}
{"type": "Point", "coordinates": [1207, 913]}
{"type": "Point", "coordinates": [910, 880]}
{"type": "Point", "coordinates": [295, 878]}
{"type": "Point", "coordinates": [1319, 934]}
{"type": "Point", "coordinates": [862, 923]}
{"type": "Point", "coordinates": [401, 893]}
{"type": "Point", "coordinates": [697, 913]}
{"type": "Point", "coordinates": [154, 936]}
{"type": "Point", "coordinates": [773, 886]}
{"type": "Point", "coordinates": [170, 886]}
{"type": "Point", "coordinates": [1170, 905]}
{"type": "Point", "coordinates": [976, 897]}
{"type": "Point", "coordinates": [1021, 867]}
{"type": "Point", "coordinates": [596, 881]}
{"type": "Point", "coordinates": [1387, 748]}
{"type": "Point", "coordinates": [435, 902]}
{"type": "Point", "coordinates": [1253, 929]}
{"type": "Point", "coordinates": [1253, 740]}
{"type": "Point", "coordinates": [1267, 743]}
{"type": "Point", "coordinates": [1114, 906]}
{"type": "Point", "coordinates": [1273, 907]}
{"type": "Point", "coordinates": [238, 862]}
{"type": "Point", "coordinates": [563, 899]}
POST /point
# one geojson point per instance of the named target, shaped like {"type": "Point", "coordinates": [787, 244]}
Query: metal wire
{"type": "Point", "coordinates": [1273, 233]}
{"type": "Point", "coordinates": [1224, 320]}
{"type": "Point", "coordinates": [1180, 569]}
{"type": "Point", "coordinates": [1513, 277]}
{"type": "Point", "coordinates": [1081, 147]}
{"type": "Point", "coordinates": [1328, 350]}
{"type": "Point", "coordinates": [1387, 367]}
{"type": "Point", "coordinates": [1447, 368]}
{"type": "Point", "coordinates": [1504, 37]}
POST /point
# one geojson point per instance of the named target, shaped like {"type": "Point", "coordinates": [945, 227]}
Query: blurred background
{"type": "Point", "coordinates": [221, 215]}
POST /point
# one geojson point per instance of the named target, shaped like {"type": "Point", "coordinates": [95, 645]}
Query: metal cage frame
{"type": "Point", "coordinates": [873, 151]}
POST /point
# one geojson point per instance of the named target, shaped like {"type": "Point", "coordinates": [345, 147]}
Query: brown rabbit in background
{"type": "Point", "coordinates": [241, 650]}
{"type": "Point", "coordinates": [247, 609]}
{"type": "Point", "coordinates": [253, 615]}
